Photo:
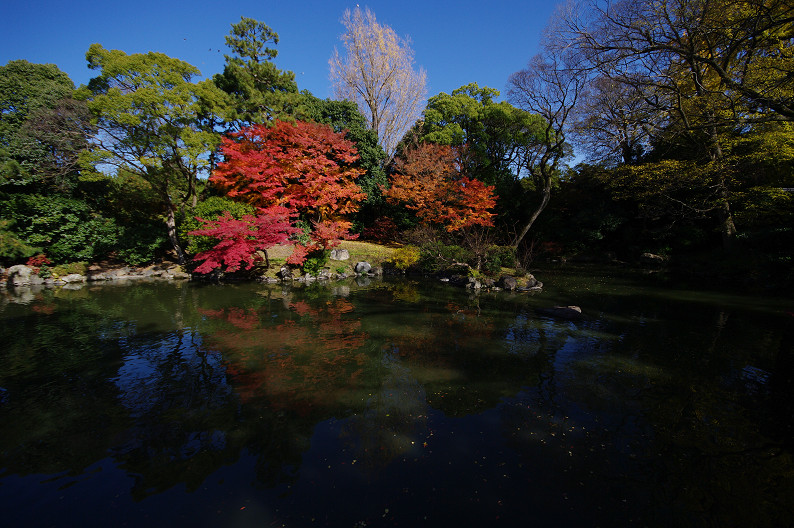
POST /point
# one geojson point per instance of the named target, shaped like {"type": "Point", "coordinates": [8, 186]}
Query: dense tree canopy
{"type": "Point", "coordinates": [682, 109]}
{"type": "Point", "coordinates": [305, 167]}
{"type": "Point", "coordinates": [260, 91]}
{"type": "Point", "coordinates": [344, 117]}
{"type": "Point", "coordinates": [25, 90]}
{"type": "Point", "coordinates": [681, 80]}
{"type": "Point", "coordinates": [428, 181]}
{"type": "Point", "coordinates": [495, 142]}
{"type": "Point", "coordinates": [148, 114]}
{"type": "Point", "coordinates": [300, 169]}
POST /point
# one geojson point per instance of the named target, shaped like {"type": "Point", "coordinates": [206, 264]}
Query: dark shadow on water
{"type": "Point", "coordinates": [395, 404]}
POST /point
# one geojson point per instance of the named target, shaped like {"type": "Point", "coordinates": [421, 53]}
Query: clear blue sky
{"type": "Point", "coordinates": [456, 42]}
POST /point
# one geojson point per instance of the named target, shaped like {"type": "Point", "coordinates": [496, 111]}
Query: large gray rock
{"type": "Point", "coordinates": [362, 267]}
{"type": "Point", "coordinates": [73, 277]}
{"type": "Point", "coordinates": [340, 254]}
{"type": "Point", "coordinates": [19, 275]}
{"type": "Point", "coordinates": [508, 283]}
{"type": "Point", "coordinates": [562, 312]}
{"type": "Point", "coordinates": [652, 259]}
{"type": "Point", "coordinates": [473, 284]}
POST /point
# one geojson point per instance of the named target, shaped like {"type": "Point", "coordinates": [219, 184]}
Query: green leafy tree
{"type": "Point", "coordinates": [261, 92]}
{"type": "Point", "coordinates": [63, 134]}
{"type": "Point", "coordinates": [154, 121]}
{"type": "Point", "coordinates": [26, 88]}
{"type": "Point", "coordinates": [494, 140]}
{"type": "Point", "coordinates": [66, 229]}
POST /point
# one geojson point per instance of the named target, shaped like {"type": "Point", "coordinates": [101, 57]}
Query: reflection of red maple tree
{"type": "Point", "coordinates": [305, 362]}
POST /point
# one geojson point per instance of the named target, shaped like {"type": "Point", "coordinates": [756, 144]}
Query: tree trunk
{"type": "Point", "coordinates": [727, 226]}
{"type": "Point", "coordinates": [539, 209]}
{"type": "Point", "coordinates": [170, 222]}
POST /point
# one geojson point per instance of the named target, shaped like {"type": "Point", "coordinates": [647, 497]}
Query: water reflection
{"type": "Point", "coordinates": [394, 403]}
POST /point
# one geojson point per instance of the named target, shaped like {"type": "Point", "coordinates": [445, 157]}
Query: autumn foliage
{"type": "Point", "coordinates": [305, 167]}
{"type": "Point", "coordinates": [239, 240]}
{"type": "Point", "coordinates": [427, 181]}
{"type": "Point", "coordinates": [287, 170]}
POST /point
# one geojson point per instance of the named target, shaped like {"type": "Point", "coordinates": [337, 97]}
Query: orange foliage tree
{"type": "Point", "coordinates": [303, 168]}
{"type": "Point", "coordinates": [428, 181]}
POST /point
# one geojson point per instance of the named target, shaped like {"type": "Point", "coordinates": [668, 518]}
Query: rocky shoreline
{"type": "Point", "coordinates": [23, 275]}
{"type": "Point", "coordinates": [25, 280]}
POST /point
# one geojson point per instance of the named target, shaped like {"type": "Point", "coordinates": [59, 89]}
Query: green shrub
{"type": "Point", "coordinates": [315, 262]}
{"type": "Point", "coordinates": [303, 238]}
{"type": "Point", "coordinates": [11, 247]}
{"type": "Point", "coordinates": [437, 256]}
{"type": "Point", "coordinates": [142, 243]}
{"type": "Point", "coordinates": [63, 270]}
{"type": "Point", "coordinates": [405, 257]}
{"type": "Point", "coordinates": [65, 228]}
{"type": "Point", "coordinates": [499, 257]}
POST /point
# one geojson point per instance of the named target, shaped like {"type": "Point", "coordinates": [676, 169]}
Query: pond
{"type": "Point", "coordinates": [395, 403]}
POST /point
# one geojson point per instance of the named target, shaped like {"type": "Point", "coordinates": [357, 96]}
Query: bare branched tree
{"type": "Point", "coordinates": [376, 72]}
{"type": "Point", "coordinates": [550, 87]}
{"type": "Point", "coordinates": [737, 51]}
{"type": "Point", "coordinates": [613, 123]}
{"type": "Point", "coordinates": [698, 69]}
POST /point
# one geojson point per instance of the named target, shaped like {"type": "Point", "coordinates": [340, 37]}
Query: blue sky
{"type": "Point", "coordinates": [455, 42]}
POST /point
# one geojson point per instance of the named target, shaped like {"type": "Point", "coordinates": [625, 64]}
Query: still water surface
{"type": "Point", "coordinates": [395, 404]}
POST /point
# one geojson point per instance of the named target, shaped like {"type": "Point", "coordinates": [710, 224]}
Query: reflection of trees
{"type": "Point", "coordinates": [663, 408]}
{"type": "Point", "coordinates": [176, 395]}
{"type": "Point", "coordinates": [56, 374]}
{"type": "Point", "coordinates": [394, 420]}
{"type": "Point", "coordinates": [293, 360]}
{"type": "Point", "coordinates": [456, 349]}
{"type": "Point", "coordinates": [638, 400]}
{"type": "Point", "coordinates": [308, 356]}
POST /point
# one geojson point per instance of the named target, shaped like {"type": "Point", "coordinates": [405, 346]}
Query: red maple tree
{"type": "Point", "coordinates": [427, 180]}
{"type": "Point", "coordinates": [286, 170]}
{"type": "Point", "coordinates": [305, 167]}
{"type": "Point", "coordinates": [239, 240]}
